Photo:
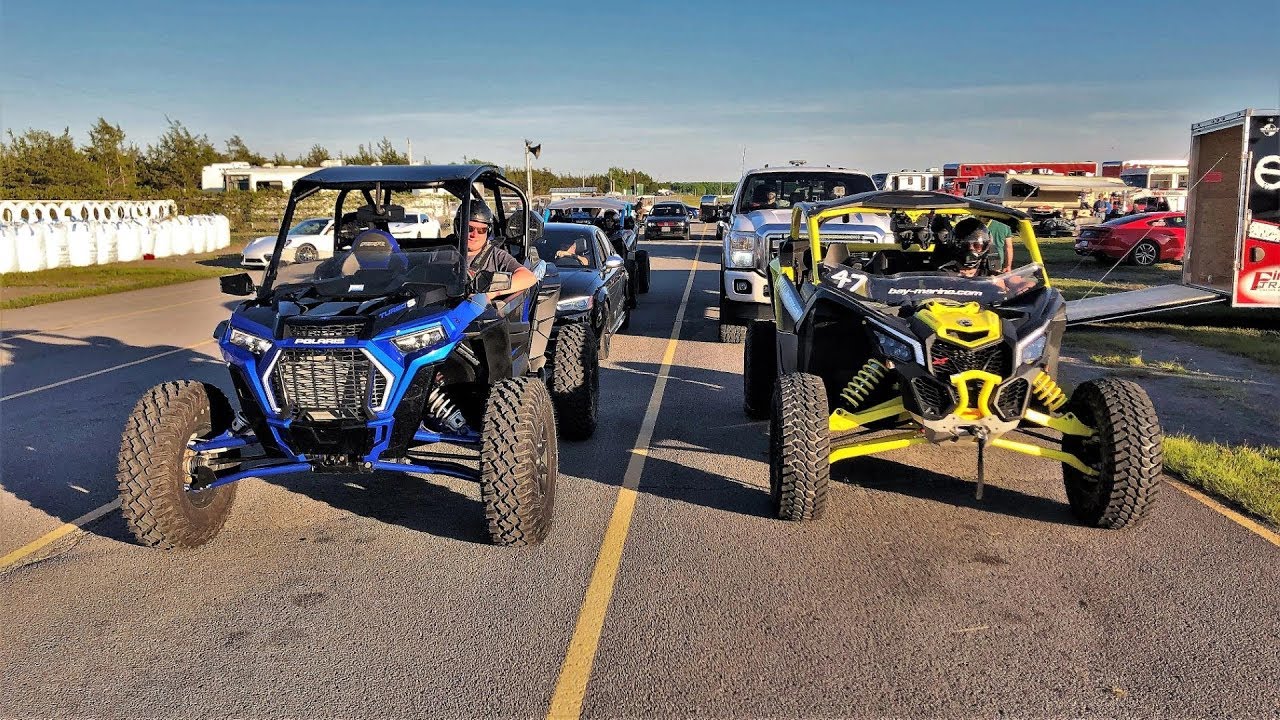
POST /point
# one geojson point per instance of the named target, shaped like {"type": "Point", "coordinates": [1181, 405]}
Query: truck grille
{"type": "Point", "coordinates": [333, 330]}
{"type": "Point", "coordinates": [947, 359]}
{"type": "Point", "coordinates": [336, 381]}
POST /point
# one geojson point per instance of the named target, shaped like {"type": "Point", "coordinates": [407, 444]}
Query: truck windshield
{"type": "Point", "coordinates": [771, 191]}
{"type": "Point", "coordinates": [1136, 179]}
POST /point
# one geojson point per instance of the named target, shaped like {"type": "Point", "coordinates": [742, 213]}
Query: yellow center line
{"type": "Point", "coordinates": [167, 306]}
{"type": "Point", "coordinates": [113, 368]}
{"type": "Point", "coordinates": [17, 556]}
{"type": "Point", "coordinates": [1256, 528]}
{"type": "Point", "coordinates": [575, 673]}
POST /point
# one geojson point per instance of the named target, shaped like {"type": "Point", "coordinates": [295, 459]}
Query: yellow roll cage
{"type": "Point", "coordinates": [800, 216]}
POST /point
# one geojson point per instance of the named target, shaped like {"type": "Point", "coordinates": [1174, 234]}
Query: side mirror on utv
{"type": "Point", "coordinates": [239, 284]}
{"type": "Point", "coordinates": [629, 223]}
{"type": "Point", "coordinates": [486, 282]}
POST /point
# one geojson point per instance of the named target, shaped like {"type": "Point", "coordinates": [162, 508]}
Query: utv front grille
{"type": "Point", "coordinates": [1012, 398]}
{"type": "Point", "coordinates": [337, 381]}
{"type": "Point", "coordinates": [934, 399]}
{"type": "Point", "coordinates": [332, 330]}
{"type": "Point", "coordinates": [947, 359]}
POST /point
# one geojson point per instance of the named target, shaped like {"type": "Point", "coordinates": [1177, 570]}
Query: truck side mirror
{"type": "Point", "coordinates": [239, 284]}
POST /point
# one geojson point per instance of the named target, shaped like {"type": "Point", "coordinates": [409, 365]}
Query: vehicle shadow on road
{"type": "Point", "coordinates": [59, 440]}
{"type": "Point", "coordinates": [414, 502]}
{"type": "Point", "coordinates": [885, 475]}
{"type": "Point", "coordinates": [704, 451]}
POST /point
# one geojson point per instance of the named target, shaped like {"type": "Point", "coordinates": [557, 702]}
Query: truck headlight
{"type": "Point", "coordinates": [419, 340]}
{"type": "Point", "coordinates": [742, 250]}
{"type": "Point", "coordinates": [252, 343]}
{"type": "Point", "coordinates": [580, 304]}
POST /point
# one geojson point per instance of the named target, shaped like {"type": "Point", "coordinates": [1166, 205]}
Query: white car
{"type": "Point", "coordinates": [309, 241]}
{"type": "Point", "coordinates": [415, 225]}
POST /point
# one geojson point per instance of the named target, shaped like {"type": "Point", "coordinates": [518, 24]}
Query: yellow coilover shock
{"type": "Point", "coordinates": [1047, 391]}
{"type": "Point", "coordinates": [860, 385]}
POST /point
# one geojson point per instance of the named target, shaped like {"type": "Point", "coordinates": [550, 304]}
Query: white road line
{"type": "Point", "coordinates": [121, 366]}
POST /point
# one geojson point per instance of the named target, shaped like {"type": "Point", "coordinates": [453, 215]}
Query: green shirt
{"type": "Point", "coordinates": [1000, 234]}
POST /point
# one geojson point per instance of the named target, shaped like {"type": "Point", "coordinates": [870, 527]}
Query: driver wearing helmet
{"type": "Point", "coordinates": [484, 256]}
{"type": "Point", "coordinates": [970, 253]}
{"type": "Point", "coordinates": [609, 223]}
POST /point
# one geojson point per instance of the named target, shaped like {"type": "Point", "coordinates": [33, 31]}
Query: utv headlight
{"type": "Point", "coordinates": [895, 349]}
{"type": "Point", "coordinates": [419, 340]}
{"type": "Point", "coordinates": [1033, 349]}
{"type": "Point", "coordinates": [252, 343]}
{"type": "Point", "coordinates": [580, 304]}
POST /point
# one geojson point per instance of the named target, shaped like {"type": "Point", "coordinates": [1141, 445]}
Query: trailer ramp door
{"type": "Point", "coordinates": [1139, 302]}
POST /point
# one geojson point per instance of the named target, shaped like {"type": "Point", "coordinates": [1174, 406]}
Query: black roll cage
{"type": "Point", "coordinates": [459, 180]}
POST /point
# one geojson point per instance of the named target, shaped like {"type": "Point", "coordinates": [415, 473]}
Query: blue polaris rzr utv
{"type": "Point", "coordinates": [366, 360]}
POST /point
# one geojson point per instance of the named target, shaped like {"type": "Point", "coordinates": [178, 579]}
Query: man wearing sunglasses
{"type": "Point", "coordinates": [484, 256]}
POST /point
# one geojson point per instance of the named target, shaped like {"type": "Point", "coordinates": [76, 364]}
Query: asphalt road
{"type": "Point", "coordinates": [377, 596]}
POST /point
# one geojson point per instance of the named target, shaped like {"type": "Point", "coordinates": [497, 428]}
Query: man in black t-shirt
{"type": "Point", "coordinates": [483, 256]}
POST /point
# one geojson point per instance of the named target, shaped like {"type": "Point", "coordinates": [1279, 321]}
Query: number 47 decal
{"type": "Point", "coordinates": [843, 278]}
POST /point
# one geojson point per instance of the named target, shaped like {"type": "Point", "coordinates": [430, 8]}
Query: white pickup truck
{"type": "Point", "coordinates": [760, 220]}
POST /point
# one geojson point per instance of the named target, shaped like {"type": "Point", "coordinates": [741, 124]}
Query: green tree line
{"type": "Point", "coordinates": [41, 164]}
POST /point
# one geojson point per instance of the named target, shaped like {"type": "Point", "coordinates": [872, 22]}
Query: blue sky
{"type": "Point", "coordinates": [678, 89]}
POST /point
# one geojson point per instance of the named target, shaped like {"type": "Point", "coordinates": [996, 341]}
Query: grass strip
{"type": "Point", "coordinates": [1247, 476]}
{"type": "Point", "coordinates": [1257, 344]}
{"type": "Point", "coordinates": [71, 283]}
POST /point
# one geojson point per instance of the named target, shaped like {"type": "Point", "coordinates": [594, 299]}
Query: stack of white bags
{"type": "Point", "coordinates": [39, 236]}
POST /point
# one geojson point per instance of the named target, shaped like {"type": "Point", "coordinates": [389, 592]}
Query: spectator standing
{"type": "Point", "coordinates": [1002, 241]}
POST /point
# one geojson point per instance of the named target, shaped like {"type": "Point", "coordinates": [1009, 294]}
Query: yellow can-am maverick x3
{"type": "Point", "coordinates": [869, 338]}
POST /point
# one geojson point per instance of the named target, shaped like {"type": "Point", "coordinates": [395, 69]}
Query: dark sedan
{"type": "Point", "coordinates": [667, 220]}
{"type": "Point", "coordinates": [593, 279]}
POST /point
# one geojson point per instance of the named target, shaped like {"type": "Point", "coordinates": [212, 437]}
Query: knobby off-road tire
{"type": "Point", "coordinates": [642, 269]}
{"type": "Point", "coordinates": [733, 334]}
{"type": "Point", "coordinates": [575, 381]}
{"type": "Point", "coordinates": [759, 369]}
{"type": "Point", "coordinates": [1128, 452]}
{"type": "Point", "coordinates": [518, 462]}
{"type": "Point", "coordinates": [154, 466]}
{"type": "Point", "coordinates": [799, 448]}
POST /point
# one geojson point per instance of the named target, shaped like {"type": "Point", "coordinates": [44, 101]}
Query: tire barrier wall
{"type": "Point", "coordinates": [38, 236]}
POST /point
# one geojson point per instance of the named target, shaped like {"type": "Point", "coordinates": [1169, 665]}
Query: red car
{"type": "Point", "coordinates": [1143, 239]}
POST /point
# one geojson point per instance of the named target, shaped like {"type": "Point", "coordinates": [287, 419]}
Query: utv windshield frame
{"type": "Point", "coordinates": [912, 203]}
{"type": "Point", "coordinates": [375, 183]}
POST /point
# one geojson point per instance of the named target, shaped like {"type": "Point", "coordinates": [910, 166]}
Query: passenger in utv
{"type": "Point", "coordinates": [609, 223]}
{"type": "Point", "coordinates": [972, 249]}
{"type": "Point", "coordinates": [484, 256]}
